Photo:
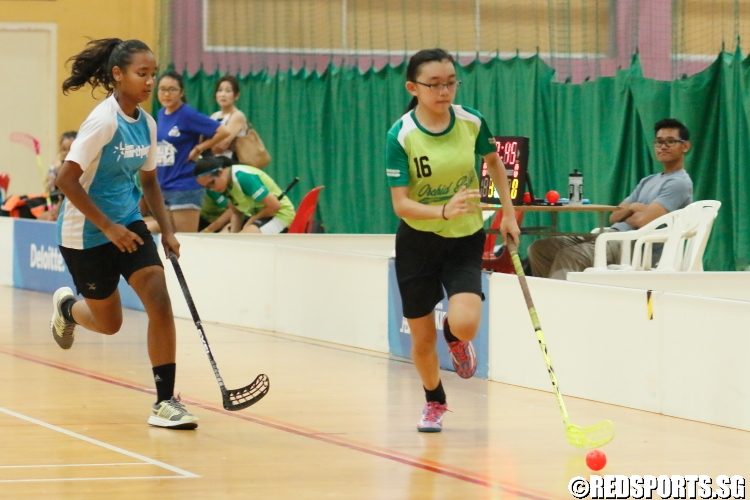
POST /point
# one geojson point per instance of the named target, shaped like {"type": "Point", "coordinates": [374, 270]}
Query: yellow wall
{"type": "Point", "coordinates": [76, 20]}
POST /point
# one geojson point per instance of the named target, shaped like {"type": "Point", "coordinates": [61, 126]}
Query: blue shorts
{"type": "Point", "coordinates": [184, 200]}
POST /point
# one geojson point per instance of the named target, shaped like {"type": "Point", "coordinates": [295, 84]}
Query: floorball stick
{"type": "Point", "coordinates": [233, 399]}
{"type": "Point", "coordinates": [32, 143]}
{"type": "Point", "coordinates": [581, 437]}
{"type": "Point", "coordinates": [288, 188]}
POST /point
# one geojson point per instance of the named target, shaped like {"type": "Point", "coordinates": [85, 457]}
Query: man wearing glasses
{"type": "Point", "coordinates": [653, 197]}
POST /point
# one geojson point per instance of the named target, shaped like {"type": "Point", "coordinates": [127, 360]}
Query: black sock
{"type": "Point", "coordinates": [164, 379]}
{"type": "Point", "coordinates": [67, 309]}
{"type": "Point", "coordinates": [449, 337]}
{"type": "Point", "coordinates": [436, 395]}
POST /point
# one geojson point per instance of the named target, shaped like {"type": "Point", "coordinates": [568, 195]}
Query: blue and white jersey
{"type": "Point", "coordinates": [178, 133]}
{"type": "Point", "coordinates": [111, 148]}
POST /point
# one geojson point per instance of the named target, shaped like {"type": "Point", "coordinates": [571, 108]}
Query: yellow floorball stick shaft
{"type": "Point", "coordinates": [581, 437]}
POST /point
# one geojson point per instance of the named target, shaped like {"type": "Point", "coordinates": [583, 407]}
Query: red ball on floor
{"type": "Point", "coordinates": [596, 460]}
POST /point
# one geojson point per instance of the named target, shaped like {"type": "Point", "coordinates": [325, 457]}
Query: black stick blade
{"type": "Point", "coordinates": [238, 399]}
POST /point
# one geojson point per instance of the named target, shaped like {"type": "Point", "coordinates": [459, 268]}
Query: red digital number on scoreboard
{"type": "Point", "coordinates": [514, 151]}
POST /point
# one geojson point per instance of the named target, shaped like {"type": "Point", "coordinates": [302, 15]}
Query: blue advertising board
{"type": "Point", "coordinates": [37, 261]}
{"type": "Point", "coordinates": [39, 265]}
{"type": "Point", "coordinates": [399, 336]}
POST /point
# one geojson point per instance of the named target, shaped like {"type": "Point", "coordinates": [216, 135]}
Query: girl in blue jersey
{"type": "Point", "coordinates": [180, 129]}
{"type": "Point", "coordinates": [100, 230]}
{"type": "Point", "coordinates": [431, 167]}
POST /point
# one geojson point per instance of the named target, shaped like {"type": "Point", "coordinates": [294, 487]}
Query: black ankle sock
{"type": "Point", "coordinates": [449, 337]}
{"type": "Point", "coordinates": [67, 309]}
{"type": "Point", "coordinates": [164, 379]}
{"type": "Point", "coordinates": [436, 395]}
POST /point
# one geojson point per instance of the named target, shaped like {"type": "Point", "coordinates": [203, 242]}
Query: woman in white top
{"type": "Point", "coordinates": [227, 92]}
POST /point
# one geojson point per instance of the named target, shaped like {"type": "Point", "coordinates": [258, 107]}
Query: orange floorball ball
{"type": "Point", "coordinates": [596, 460]}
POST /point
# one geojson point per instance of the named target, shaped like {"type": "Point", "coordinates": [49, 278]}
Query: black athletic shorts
{"type": "Point", "coordinates": [96, 271]}
{"type": "Point", "coordinates": [426, 262]}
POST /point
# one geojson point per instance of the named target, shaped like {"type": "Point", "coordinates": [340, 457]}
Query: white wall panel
{"type": "Point", "coordinates": [231, 283]}
{"type": "Point", "coordinates": [602, 345]}
{"type": "Point", "coordinates": [258, 283]}
{"type": "Point", "coordinates": [28, 100]}
{"type": "Point", "coordinates": [723, 285]}
{"type": "Point", "coordinates": [367, 244]}
{"type": "Point", "coordinates": [331, 296]}
{"type": "Point", "coordinates": [705, 372]}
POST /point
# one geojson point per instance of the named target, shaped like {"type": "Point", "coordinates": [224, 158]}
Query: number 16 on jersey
{"type": "Point", "coordinates": [514, 151]}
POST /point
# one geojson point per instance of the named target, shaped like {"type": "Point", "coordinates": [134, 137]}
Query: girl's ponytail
{"type": "Point", "coordinates": [412, 104]}
{"type": "Point", "coordinates": [94, 64]}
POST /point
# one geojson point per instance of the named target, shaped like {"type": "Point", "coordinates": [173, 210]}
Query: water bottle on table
{"type": "Point", "coordinates": [575, 187]}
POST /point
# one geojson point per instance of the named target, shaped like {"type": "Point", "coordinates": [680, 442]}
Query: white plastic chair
{"type": "Point", "coordinates": [685, 243]}
{"type": "Point", "coordinates": [659, 227]}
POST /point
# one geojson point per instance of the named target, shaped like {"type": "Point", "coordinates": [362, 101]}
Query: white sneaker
{"type": "Point", "coordinates": [172, 414]}
{"type": "Point", "coordinates": [432, 417]}
{"type": "Point", "coordinates": [62, 329]}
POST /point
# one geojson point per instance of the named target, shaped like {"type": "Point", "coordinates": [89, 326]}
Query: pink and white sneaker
{"type": "Point", "coordinates": [432, 417]}
{"type": "Point", "coordinates": [463, 357]}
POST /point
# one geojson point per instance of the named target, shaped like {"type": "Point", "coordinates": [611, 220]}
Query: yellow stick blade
{"type": "Point", "coordinates": [591, 437]}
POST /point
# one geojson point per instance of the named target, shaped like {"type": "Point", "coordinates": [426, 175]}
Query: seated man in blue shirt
{"type": "Point", "coordinates": [654, 196]}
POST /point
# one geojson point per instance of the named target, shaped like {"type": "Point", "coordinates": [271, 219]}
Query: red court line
{"type": "Point", "coordinates": [420, 463]}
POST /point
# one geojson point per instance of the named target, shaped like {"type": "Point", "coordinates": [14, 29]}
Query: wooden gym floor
{"type": "Point", "coordinates": [338, 423]}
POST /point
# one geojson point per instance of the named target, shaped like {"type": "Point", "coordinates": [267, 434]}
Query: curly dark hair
{"type": "Point", "coordinates": [94, 64]}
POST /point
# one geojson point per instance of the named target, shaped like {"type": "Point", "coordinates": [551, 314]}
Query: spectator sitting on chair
{"type": "Point", "coordinates": [655, 195]}
{"type": "Point", "coordinates": [252, 194]}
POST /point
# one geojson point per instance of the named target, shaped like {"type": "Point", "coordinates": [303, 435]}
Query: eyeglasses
{"type": "Point", "coordinates": [169, 90]}
{"type": "Point", "coordinates": [667, 142]}
{"type": "Point", "coordinates": [437, 87]}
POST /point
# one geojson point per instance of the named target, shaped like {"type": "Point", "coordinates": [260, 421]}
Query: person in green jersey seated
{"type": "Point", "coordinates": [252, 194]}
{"type": "Point", "coordinates": [215, 214]}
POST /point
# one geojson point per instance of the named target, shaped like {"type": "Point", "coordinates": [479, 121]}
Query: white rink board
{"type": "Point", "coordinates": [689, 361]}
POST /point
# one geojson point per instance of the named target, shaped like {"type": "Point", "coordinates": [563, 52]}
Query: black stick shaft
{"type": "Point", "coordinates": [196, 318]}
{"type": "Point", "coordinates": [289, 187]}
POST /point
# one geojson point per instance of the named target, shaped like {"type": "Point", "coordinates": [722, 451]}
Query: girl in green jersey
{"type": "Point", "coordinates": [431, 167]}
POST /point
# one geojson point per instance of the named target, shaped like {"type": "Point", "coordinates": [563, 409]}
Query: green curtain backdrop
{"type": "Point", "coordinates": [329, 129]}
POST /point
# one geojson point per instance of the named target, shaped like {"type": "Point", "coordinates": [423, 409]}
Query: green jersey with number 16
{"type": "Point", "coordinates": [436, 165]}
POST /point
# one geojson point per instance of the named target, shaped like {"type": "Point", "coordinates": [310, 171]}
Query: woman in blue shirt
{"type": "Point", "coordinates": [100, 230]}
{"type": "Point", "coordinates": [180, 129]}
